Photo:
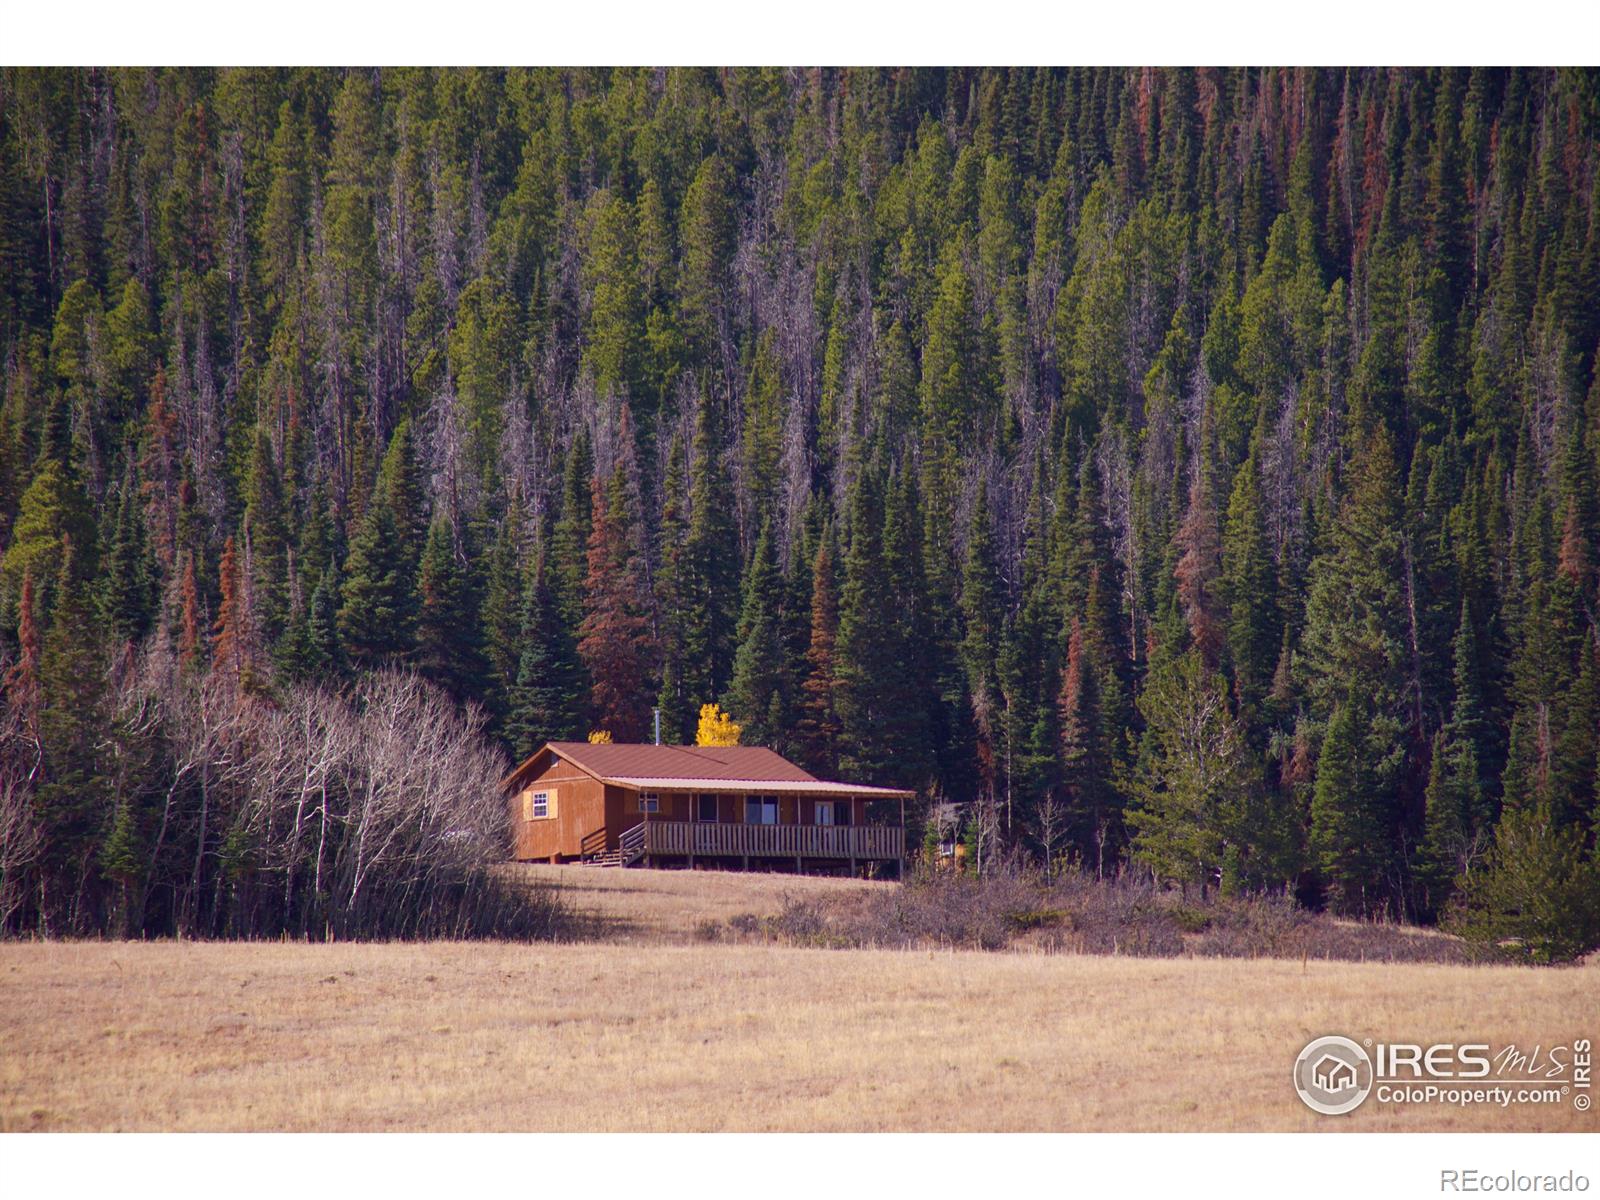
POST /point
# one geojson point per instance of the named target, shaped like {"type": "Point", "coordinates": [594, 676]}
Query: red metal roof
{"type": "Point", "coordinates": [796, 787]}
{"type": "Point", "coordinates": [742, 768]}
{"type": "Point", "coordinates": [614, 760]}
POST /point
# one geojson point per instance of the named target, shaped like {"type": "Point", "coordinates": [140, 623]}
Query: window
{"type": "Point", "coordinates": [536, 806]}
{"type": "Point", "coordinates": [649, 802]}
{"type": "Point", "coordinates": [706, 808]}
{"type": "Point", "coordinates": [833, 812]}
{"type": "Point", "coordinates": [761, 810]}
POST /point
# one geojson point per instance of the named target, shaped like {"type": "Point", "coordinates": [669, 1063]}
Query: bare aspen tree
{"type": "Point", "coordinates": [20, 840]}
{"type": "Point", "coordinates": [1052, 822]}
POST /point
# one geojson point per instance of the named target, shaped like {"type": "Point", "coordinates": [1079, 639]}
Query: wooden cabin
{"type": "Point", "coordinates": [622, 804]}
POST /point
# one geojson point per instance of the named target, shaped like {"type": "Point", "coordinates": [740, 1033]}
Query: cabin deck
{"type": "Point", "coordinates": [652, 840]}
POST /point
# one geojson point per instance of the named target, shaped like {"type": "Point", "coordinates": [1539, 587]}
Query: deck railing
{"type": "Point", "coordinates": [710, 839]}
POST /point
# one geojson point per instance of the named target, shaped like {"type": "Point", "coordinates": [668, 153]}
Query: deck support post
{"type": "Point", "coordinates": [745, 865]}
{"type": "Point", "coordinates": [900, 875]}
{"type": "Point", "coordinates": [798, 869]}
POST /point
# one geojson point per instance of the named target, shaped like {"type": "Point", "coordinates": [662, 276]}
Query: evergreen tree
{"type": "Point", "coordinates": [708, 575]}
{"type": "Point", "coordinates": [546, 702]}
{"type": "Point", "coordinates": [1085, 764]}
{"type": "Point", "coordinates": [266, 521]}
{"type": "Point", "coordinates": [1197, 570]}
{"type": "Point", "coordinates": [617, 311]}
{"type": "Point", "coordinates": [1442, 855]}
{"type": "Point", "coordinates": [907, 727]}
{"type": "Point", "coordinates": [128, 600]}
{"type": "Point", "coordinates": [1350, 834]}
{"type": "Point", "coordinates": [1538, 897]}
{"type": "Point", "coordinates": [707, 236]}
{"type": "Point", "coordinates": [323, 626]}
{"type": "Point", "coordinates": [449, 644]}
{"type": "Point", "coordinates": [983, 613]}
{"type": "Point", "coordinates": [957, 394]}
{"type": "Point", "coordinates": [1193, 778]}
{"type": "Point", "coordinates": [1357, 644]}
{"type": "Point", "coordinates": [377, 619]}
{"type": "Point", "coordinates": [72, 804]}
{"type": "Point", "coordinates": [570, 539]}
{"type": "Point", "coordinates": [759, 695]}
{"type": "Point", "coordinates": [672, 702]}
{"type": "Point", "coordinates": [763, 427]}
{"type": "Point", "coordinates": [190, 652]}
{"type": "Point", "coordinates": [820, 727]}
{"type": "Point", "coordinates": [378, 616]}
{"type": "Point", "coordinates": [502, 612]}
{"type": "Point", "coordinates": [863, 650]}
{"type": "Point", "coordinates": [53, 511]}
{"type": "Point", "coordinates": [1247, 587]}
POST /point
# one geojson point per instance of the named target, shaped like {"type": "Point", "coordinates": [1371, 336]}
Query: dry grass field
{"type": "Point", "coordinates": [658, 907]}
{"type": "Point", "coordinates": [651, 1036]}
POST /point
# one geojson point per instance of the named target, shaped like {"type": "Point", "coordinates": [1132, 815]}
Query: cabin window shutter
{"type": "Point", "coordinates": [537, 806]}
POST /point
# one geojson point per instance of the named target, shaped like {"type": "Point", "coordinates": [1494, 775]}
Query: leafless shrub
{"type": "Point", "coordinates": [20, 841]}
{"type": "Point", "coordinates": [373, 813]}
{"type": "Point", "coordinates": [382, 813]}
{"type": "Point", "coordinates": [1078, 913]}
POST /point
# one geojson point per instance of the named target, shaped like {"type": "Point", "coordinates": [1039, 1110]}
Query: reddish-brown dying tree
{"type": "Point", "coordinates": [615, 640]}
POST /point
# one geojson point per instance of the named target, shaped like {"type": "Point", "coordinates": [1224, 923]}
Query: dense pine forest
{"type": "Point", "coordinates": [1192, 471]}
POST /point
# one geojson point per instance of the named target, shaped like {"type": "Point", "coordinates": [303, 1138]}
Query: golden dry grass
{"type": "Point", "coordinates": [668, 906]}
{"type": "Point", "coordinates": [183, 1036]}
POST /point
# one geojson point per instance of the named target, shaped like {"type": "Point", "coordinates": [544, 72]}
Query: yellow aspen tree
{"type": "Point", "coordinates": [717, 728]}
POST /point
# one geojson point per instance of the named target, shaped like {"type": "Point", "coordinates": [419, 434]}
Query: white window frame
{"type": "Point", "coordinates": [823, 812]}
{"type": "Point", "coordinates": [533, 801]}
{"type": "Point", "coordinates": [649, 802]}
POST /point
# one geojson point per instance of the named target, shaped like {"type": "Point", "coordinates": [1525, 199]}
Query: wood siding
{"type": "Point", "coordinates": [579, 808]}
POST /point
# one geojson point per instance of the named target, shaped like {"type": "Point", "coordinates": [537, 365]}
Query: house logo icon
{"type": "Point", "coordinates": [1333, 1075]}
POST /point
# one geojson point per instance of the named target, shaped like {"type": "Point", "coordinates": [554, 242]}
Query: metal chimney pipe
{"type": "Point", "coordinates": [657, 712]}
